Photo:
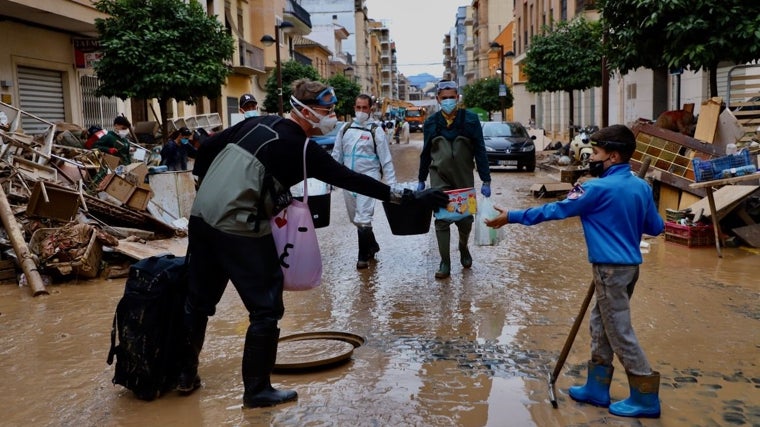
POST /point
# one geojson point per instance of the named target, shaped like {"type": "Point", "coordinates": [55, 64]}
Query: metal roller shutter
{"type": "Point", "coordinates": [40, 93]}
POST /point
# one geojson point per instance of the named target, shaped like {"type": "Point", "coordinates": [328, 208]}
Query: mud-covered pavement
{"type": "Point", "coordinates": [472, 350]}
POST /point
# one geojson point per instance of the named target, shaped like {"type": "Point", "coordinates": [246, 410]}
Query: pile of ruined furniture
{"type": "Point", "coordinates": [61, 204]}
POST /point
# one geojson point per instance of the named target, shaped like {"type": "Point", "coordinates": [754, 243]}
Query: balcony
{"type": "Point", "coordinates": [250, 59]}
{"type": "Point", "coordinates": [74, 17]}
{"type": "Point", "coordinates": [298, 16]}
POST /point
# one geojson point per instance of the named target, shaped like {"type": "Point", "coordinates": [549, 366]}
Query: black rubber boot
{"type": "Point", "coordinates": [374, 247]}
{"type": "Point", "coordinates": [259, 356]}
{"type": "Point", "coordinates": [464, 236]}
{"type": "Point", "coordinates": [444, 240]}
{"type": "Point", "coordinates": [195, 327]}
{"type": "Point", "coordinates": [363, 234]}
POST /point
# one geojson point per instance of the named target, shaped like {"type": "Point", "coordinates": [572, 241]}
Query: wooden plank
{"type": "Point", "coordinates": [669, 197]}
{"type": "Point", "coordinates": [140, 250]}
{"type": "Point", "coordinates": [707, 124]}
{"type": "Point", "coordinates": [750, 234]}
{"type": "Point", "coordinates": [726, 199]}
{"type": "Point", "coordinates": [687, 199]}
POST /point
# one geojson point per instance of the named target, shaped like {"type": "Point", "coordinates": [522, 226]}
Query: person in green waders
{"type": "Point", "coordinates": [453, 146]}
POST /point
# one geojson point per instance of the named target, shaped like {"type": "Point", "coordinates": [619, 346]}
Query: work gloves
{"type": "Point", "coordinates": [430, 198]}
{"type": "Point", "coordinates": [485, 190]}
{"type": "Point", "coordinates": [421, 186]}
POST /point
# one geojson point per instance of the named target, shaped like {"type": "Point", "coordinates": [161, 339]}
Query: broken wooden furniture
{"type": "Point", "coordinates": [708, 186]}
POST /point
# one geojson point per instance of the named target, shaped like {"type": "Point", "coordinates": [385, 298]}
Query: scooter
{"type": "Point", "coordinates": [580, 147]}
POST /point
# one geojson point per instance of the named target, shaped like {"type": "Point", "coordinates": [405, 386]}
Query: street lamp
{"type": "Point", "coordinates": [348, 71]}
{"type": "Point", "coordinates": [267, 40]}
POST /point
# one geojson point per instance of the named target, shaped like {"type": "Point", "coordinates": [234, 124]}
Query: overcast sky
{"type": "Point", "coordinates": [417, 27]}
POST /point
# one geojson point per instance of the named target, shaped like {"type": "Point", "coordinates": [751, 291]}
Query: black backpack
{"type": "Point", "coordinates": [148, 322]}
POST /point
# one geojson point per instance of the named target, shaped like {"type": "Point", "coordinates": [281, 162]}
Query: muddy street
{"type": "Point", "coordinates": [472, 350]}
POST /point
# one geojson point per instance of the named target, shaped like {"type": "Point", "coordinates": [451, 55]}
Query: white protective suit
{"type": "Point", "coordinates": [355, 149]}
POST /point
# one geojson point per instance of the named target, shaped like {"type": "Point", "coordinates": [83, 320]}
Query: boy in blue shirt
{"type": "Point", "coordinates": [615, 211]}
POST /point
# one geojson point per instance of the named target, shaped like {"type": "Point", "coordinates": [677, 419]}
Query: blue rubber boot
{"type": "Point", "coordinates": [597, 388]}
{"type": "Point", "coordinates": [644, 401]}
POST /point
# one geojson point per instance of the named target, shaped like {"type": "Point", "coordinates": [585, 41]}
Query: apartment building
{"type": "Point", "coordinates": [47, 57]}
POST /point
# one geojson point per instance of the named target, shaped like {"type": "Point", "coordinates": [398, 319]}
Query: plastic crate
{"type": "Point", "coordinates": [707, 170]}
{"type": "Point", "coordinates": [689, 235]}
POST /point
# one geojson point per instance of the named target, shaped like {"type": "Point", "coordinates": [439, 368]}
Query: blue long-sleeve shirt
{"type": "Point", "coordinates": [615, 211]}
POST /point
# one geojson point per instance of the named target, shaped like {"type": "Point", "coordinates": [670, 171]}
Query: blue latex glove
{"type": "Point", "coordinates": [485, 190]}
{"type": "Point", "coordinates": [420, 185]}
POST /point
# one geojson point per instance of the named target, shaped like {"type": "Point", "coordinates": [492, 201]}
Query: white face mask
{"type": "Point", "coordinates": [325, 123]}
{"type": "Point", "coordinates": [361, 117]}
{"type": "Point", "coordinates": [251, 113]}
{"type": "Point", "coordinates": [123, 132]}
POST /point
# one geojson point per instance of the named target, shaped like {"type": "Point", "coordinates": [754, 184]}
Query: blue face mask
{"type": "Point", "coordinates": [448, 105]}
{"type": "Point", "coordinates": [184, 141]}
{"type": "Point", "coordinates": [251, 113]}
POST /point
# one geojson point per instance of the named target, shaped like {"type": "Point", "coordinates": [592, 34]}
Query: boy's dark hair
{"type": "Point", "coordinates": [615, 138]}
{"type": "Point", "coordinates": [121, 120]}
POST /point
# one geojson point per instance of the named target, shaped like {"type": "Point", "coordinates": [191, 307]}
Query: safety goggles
{"type": "Point", "coordinates": [320, 99]}
{"type": "Point", "coordinates": [447, 84]}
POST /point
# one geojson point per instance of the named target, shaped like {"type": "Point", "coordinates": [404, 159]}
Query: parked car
{"type": "Point", "coordinates": [328, 141]}
{"type": "Point", "coordinates": [509, 144]}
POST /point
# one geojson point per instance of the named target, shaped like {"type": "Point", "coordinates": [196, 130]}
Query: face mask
{"type": "Point", "coordinates": [325, 123]}
{"type": "Point", "coordinates": [596, 168]}
{"type": "Point", "coordinates": [251, 113]}
{"type": "Point", "coordinates": [448, 105]}
{"type": "Point", "coordinates": [184, 140]}
{"type": "Point", "coordinates": [123, 132]}
{"type": "Point", "coordinates": [361, 117]}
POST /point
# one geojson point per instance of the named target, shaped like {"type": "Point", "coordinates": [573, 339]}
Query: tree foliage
{"type": "Point", "coordinates": [161, 49]}
{"type": "Point", "coordinates": [484, 93]}
{"type": "Point", "coordinates": [691, 34]}
{"type": "Point", "coordinates": [346, 90]}
{"type": "Point", "coordinates": [565, 58]}
{"type": "Point", "coordinates": [291, 71]}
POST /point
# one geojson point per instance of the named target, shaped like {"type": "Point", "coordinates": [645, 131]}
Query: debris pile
{"type": "Point", "coordinates": [62, 202]}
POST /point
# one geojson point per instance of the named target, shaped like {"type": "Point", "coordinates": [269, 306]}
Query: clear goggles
{"type": "Point", "coordinates": [321, 101]}
{"type": "Point", "coordinates": [447, 84]}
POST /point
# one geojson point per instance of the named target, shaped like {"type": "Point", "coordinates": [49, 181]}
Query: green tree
{"type": "Point", "coordinates": [565, 58]}
{"type": "Point", "coordinates": [484, 93]}
{"type": "Point", "coordinates": [346, 89]}
{"type": "Point", "coordinates": [291, 71]}
{"type": "Point", "coordinates": [161, 49]}
{"type": "Point", "coordinates": [693, 34]}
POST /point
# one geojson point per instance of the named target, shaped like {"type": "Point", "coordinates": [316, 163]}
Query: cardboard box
{"type": "Point", "coordinates": [117, 187]}
{"type": "Point", "coordinates": [462, 203]}
{"type": "Point", "coordinates": [136, 173]}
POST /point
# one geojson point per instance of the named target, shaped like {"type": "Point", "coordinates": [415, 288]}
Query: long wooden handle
{"type": "Point", "coordinates": [573, 332]}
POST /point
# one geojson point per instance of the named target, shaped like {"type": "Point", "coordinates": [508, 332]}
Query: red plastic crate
{"type": "Point", "coordinates": [689, 235]}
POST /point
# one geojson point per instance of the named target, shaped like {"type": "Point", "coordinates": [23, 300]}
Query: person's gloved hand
{"type": "Point", "coordinates": [112, 150]}
{"type": "Point", "coordinates": [420, 185]}
{"type": "Point", "coordinates": [431, 198]}
{"type": "Point", "coordinates": [485, 190]}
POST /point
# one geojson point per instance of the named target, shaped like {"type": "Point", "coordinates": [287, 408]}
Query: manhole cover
{"type": "Point", "coordinates": [315, 349]}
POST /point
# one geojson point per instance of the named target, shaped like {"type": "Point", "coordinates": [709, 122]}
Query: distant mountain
{"type": "Point", "coordinates": [420, 80]}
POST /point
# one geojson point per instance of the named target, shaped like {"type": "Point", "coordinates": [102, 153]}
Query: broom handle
{"type": "Point", "coordinates": [573, 332]}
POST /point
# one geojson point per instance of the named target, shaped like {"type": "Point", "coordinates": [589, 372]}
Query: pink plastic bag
{"type": "Point", "coordinates": [298, 248]}
{"type": "Point", "coordinates": [296, 241]}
